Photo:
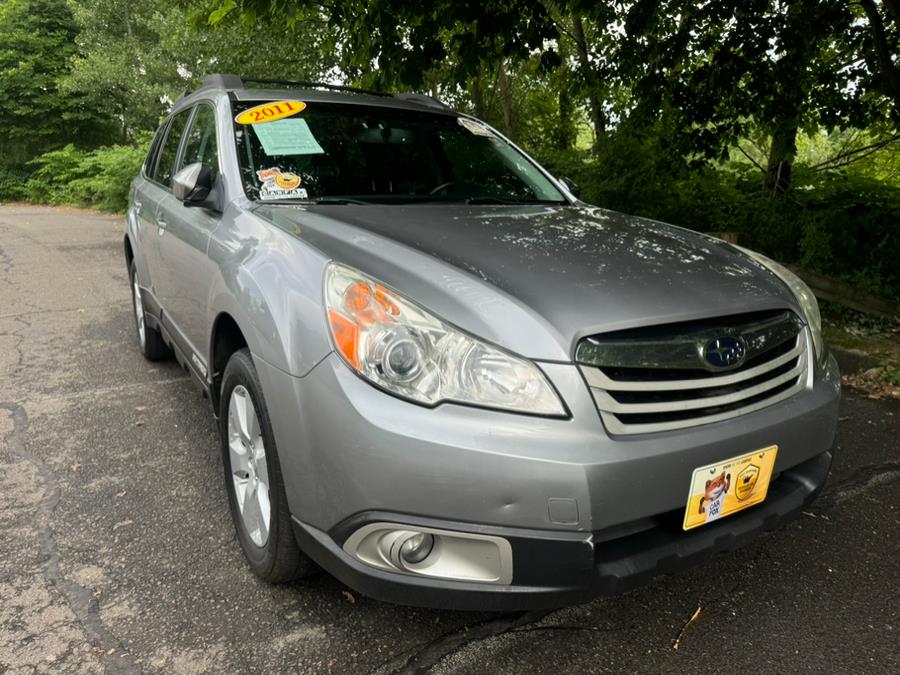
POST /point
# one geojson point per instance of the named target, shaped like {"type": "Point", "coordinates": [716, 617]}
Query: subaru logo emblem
{"type": "Point", "coordinates": [725, 352]}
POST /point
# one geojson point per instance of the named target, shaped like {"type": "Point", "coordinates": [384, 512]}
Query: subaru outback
{"type": "Point", "coordinates": [446, 380]}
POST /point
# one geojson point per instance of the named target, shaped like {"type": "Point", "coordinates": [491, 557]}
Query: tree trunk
{"type": "Point", "coordinates": [598, 118]}
{"type": "Point", "coordinates": [506, 103]}
{"type": "Point", "coordinates": [792, 88]}
{"type": "Point", "coordinates": [564, 138]}
{"type": "Point", "coordinates": [890, 71]}
{"type": "Point", "coordinates": [565, 134]}
{"type": "Point", "coordinates": [781, 157]}
{"type": "Point", "coordinates": [477, 88]}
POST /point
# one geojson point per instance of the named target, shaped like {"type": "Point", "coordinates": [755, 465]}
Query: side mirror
{"type": "Point", "coordinates": [193, 184]}
{"type": "Point", "coordinates": [571, 186]}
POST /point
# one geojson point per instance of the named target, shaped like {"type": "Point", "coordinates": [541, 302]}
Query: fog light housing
{"type": "Point", "coordinates": [430, 552]}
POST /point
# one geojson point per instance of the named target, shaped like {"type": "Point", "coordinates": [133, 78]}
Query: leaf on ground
{"type": "Point", "coordinates": [75, 467]}
{"type": "Point", "coordinates": [124, 523]}
{"type": "Point", "coordinates": [139, 423]}
{"type": "Point", "coordinates": [140, 408]}
{"type": "Point", "coordinates": [349, 597]}
{"type": "Point", "coordinates": [684, 628]}
{"type": "Point", "coordinates": [122, 493]}
{"type": "Point", "coordinates": [877, 383]}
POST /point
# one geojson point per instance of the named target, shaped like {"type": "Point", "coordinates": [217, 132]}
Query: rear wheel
{"type": "Point", "coordinates": [149, 339]}
{"type": "Point", "coordinates": [253, 480]}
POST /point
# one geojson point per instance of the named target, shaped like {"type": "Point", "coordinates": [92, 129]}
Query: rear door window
{"type": "Point", "coordinates": [165, 168]}
{"type": "Point", "coordinates": [153, 152]}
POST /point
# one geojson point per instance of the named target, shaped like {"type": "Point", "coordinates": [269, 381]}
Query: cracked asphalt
{"type": "Point", "coordinates": [117, 553]}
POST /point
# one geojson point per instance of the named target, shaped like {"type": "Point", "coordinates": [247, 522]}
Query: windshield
{"type": "Point", "coordinates": [354, 153]}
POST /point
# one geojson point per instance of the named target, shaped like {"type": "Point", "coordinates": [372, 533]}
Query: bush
{"type": "Point", "coordinates": [98, 178]}
{"type": "Point", "coordinates": [12, 184]}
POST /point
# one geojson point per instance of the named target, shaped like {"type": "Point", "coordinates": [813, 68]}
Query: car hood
{"type": "Point", "coordinates": [577, 270]}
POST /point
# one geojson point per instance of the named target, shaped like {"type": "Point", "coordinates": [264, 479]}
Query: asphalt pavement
{"type": "Point", "coordinates": [117, 552]}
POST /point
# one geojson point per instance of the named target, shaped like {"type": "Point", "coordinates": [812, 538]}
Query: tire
{"type": "Point", "coordinates": [150, 342]}
{"type": "Point", "coordinates": [271, 551]}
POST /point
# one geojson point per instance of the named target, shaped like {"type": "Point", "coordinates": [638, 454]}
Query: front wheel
{"type": "Point", "coordinates": [253, 480]}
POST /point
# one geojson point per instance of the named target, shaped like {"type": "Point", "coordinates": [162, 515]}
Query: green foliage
{"type": "Point", "coordinates": [892, 376]}
{"type": "Point", "coordinates": [37, 40]}
{"type": "Point", "coordinates": [842, 224]}
{"type": "Point", "coordinates": [12, 183]}
{"type": "Point", "coordinates": [391, 43]}
{"type": "Point", "coordinates": [140, 57]}
{"type": "Point", "coordinates": [653, 106]}
{"type": "Point", "coordinates": [99, 178]}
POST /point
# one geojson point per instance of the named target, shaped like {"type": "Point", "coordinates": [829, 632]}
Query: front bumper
{"type": "Point", "coordinates": [558, 569]}
{"type": "Point", "coordinates": [587, 513]}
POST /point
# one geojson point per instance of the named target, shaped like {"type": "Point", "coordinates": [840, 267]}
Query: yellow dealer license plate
{"type": "Point", "coordinates": [721, 489]}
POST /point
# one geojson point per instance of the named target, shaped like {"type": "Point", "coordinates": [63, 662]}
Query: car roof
{"type": "Point", "coordinates": [318, 92]}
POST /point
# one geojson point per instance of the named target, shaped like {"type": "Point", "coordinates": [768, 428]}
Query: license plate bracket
{"type": "Point", "coordinates": [724, 488]}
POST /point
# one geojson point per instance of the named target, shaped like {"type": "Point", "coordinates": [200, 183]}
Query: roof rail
{"type": "Point", "coordinates": [321, 85]}
{"type": "Point", "coordinates": [221, 81]}
{"type": "Point", "coordinates": [218, 81]}
{"type": "Point", "coordinates": [224, 81]}
{"type": "Point", "coordinates": [424, 99]}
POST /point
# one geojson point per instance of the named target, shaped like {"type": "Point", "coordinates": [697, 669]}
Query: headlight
{"type": "Point", "coordinates": [399, 346]}
{"type": "Point", "coordinates": [804, 295]}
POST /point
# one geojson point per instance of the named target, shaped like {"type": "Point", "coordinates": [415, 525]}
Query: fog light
{"type": "Point", "coordinates": [432, 552]}
{"type": "Point", "coordinates": [417, 548]}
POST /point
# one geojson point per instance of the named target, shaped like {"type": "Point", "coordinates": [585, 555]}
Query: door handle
{"type": "Point", "coordinates": [161, 224]}
{"type": "Point", "coordinates": [137, 206]}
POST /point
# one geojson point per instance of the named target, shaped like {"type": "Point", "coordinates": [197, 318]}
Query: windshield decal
{"type": "Point", "coordinates": [475, 127]}
{"type": "Point", "coordinates": [269, 112]}
{"type": "Point", "coordinates": [287, 137]}
{"type": "Point", "coordinates": [278, 184]}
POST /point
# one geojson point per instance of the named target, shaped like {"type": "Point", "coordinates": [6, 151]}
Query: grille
{"type": "Point", "coordinates": [656, 379]}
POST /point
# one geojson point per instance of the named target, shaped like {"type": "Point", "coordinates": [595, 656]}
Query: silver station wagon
{"type": "Point", "coordinates": [442, 377]}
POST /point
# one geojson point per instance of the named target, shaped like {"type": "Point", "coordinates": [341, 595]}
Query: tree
{"type": "Point", "coordinates": [37, 44]}
{"type": "Point", "coordinates": [141, 56]}
{"type": "Point", "coordinates": [726, 69]}
{"type": "Point", "coordinates": [718, 70]}
{"type": "Point", "coordinates": [390, 43]}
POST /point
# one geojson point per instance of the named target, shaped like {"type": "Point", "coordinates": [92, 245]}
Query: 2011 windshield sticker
{"type": "Point", "coordinates": [269, 112]}
{"type": "Point", "coordinates": [278, 184]}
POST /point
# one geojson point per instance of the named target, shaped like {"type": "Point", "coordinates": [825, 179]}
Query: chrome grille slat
{"type": "Point", "coordinates": [609, 404]}
{"type": "Point", "coordinates": [618, 428]}
{"type": "Point", "coordinates": [632, 399]}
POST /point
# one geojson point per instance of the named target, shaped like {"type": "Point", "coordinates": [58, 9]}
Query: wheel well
{"type": "Point", "coordinates": [227, 338]}
{"type": "Point", "coordinates": [129, 253]}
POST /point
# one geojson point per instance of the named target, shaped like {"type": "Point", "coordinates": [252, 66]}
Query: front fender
{"type": "Point", "coordinates": [271, 285]}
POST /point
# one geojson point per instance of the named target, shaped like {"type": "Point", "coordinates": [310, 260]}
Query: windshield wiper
{"type": "Point", "coordinates": [489, 200]}
{"type": "Point", "coordinates": [338, 200]}
{"type": "Point", "coordinates": [318, 200]}
{"type": "Point", "coordinates": [498, 200]}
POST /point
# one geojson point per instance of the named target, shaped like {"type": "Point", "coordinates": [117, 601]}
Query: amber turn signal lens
{"type": "Point", "coordinates": [346, 337]}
